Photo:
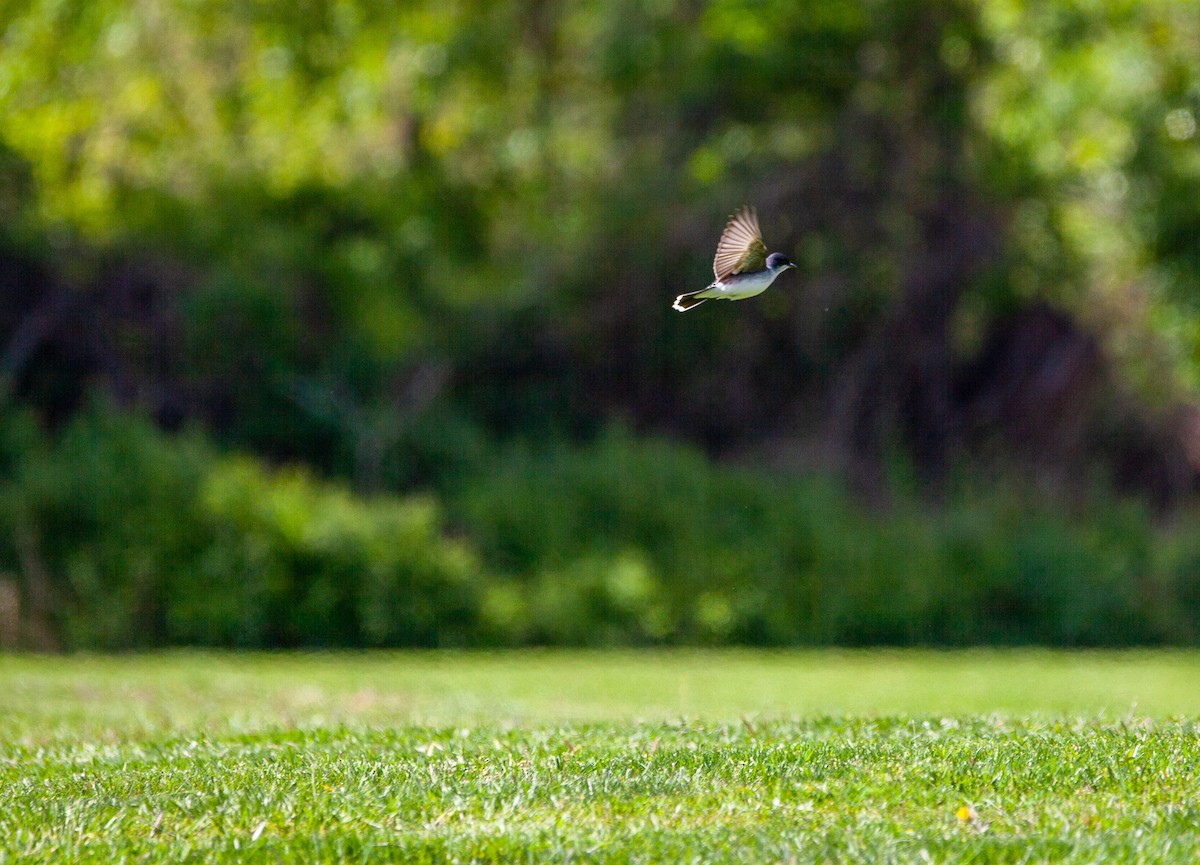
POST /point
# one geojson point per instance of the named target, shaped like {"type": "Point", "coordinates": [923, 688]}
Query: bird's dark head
{"type": "Point", "coordinates": [778, 261]}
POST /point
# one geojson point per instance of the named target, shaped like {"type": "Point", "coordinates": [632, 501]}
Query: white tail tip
{"type": "Point", "coordinates": [687, 301]}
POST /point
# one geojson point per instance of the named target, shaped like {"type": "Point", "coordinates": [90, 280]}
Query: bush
{"type": "Point", "coordinates": [98, 523]}
{"type": "Point", "coordinates": [735, 555]}
{"type": "Point", "coordinates": [302, 562]}
{"type": "Point", "coordinates": [119, 536]}
{"type": "Point", "coordinates": [134, 539]}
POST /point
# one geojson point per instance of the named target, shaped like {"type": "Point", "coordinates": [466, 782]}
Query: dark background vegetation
{"type": "Point", "coordinates": [348, 323]}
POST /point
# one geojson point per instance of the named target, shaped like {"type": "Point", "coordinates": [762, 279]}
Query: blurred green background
{"type": "Point", "coordinates": [348, 323]}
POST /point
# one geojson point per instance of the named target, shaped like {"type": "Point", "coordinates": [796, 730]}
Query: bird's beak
{"type": "Point", "coordinates": [793, 265]}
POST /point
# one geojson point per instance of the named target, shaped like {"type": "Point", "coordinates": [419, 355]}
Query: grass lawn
{"type": "Point", "coordinates": [602, 757]}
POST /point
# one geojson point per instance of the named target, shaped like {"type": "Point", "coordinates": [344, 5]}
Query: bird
{"type": "Point", "coordinates": [742, 266]}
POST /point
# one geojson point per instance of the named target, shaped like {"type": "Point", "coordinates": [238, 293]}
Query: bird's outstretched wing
{"type": "Point", "coordinates": [741, 248]}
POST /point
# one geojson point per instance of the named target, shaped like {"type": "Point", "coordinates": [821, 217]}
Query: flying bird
{"type": "Point", "coordinates": [742, 266]}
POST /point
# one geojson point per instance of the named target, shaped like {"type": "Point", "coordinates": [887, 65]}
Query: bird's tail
{"type": "Point", "coordinates": [688, 301]}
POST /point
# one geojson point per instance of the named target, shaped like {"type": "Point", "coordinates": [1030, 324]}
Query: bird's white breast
{"type": "Point", "coordinates": [743, 285]}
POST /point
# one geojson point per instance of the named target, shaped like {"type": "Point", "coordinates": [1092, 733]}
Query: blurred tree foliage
{"type": "Point", "coordinates": [389, 241]}
{"type": "Point", "coordinates": [344, 210]}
